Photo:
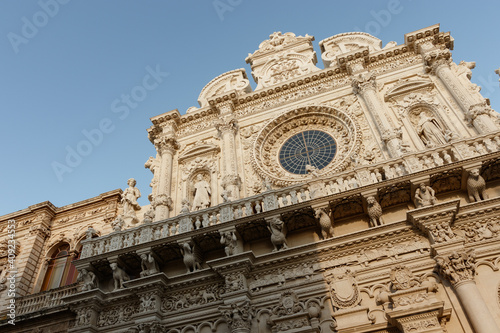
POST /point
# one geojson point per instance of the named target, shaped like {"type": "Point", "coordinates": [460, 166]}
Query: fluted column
{"type": "Point", "coordinates": [476, 110]}
{"type": "Point", "coordinates": [364, 85]}
{"type": "Point", "coordinates": [162, 202]}
{"type": "Point", "coordinates": [227, 128]}
{"type": "Point", "coordinates": [459, 268]}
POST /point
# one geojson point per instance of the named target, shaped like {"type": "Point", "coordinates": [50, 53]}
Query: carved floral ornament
{"type": "Point", "coordinates": [336, 123]}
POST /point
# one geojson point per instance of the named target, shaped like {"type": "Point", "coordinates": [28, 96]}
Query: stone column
{"type": "Point", "coordinates": [162, 202]}
{"type": "Point", "coordinates": [227, 128]}
{"type": "Point", "coordinates": [364, 84]}
{"type": "Point", "coordinates": [476, 111]}
{"type": "Point", "coordinates": [459, 268]}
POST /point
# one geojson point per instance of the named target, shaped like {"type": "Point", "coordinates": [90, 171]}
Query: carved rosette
{"type": "Point", "coordinates": [341, 126]}
{"type": "Point", "coordinates": [457, 267]}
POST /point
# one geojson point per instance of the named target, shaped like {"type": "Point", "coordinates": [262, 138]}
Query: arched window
{"type": "Point", "coordinates": [61, 270]}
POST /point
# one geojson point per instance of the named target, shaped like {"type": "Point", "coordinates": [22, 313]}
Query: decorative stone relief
{"type": "Point", "coordinates": [344, 290]}
{"type": "Point", "coordinates": [234, 282]}
{"type": "Point", "coordinates": [424, 196]}
{"type": "Point", "coordinates": [280, 276]}
{"type": "Point", "coordinates": [147, 302]}
{"type": "Point", "coordinates": [238, 316]}
{"type": "Point", "coordinates": [117, 314]}
{"type": "Point", "coordinates": [402, 278]}
{"type": "Point", "coordinates": [232, 80]}
{"type": "Point", "coordinates": [188, 299]}
{"type": "Point", "coordinates": [476, 186]}
{"type": "Point", "coordinates": [479, 231]}
{"type": "Point", "coordinates": [441, 233]}
{"type": "Point", "coordinates": [119, 276]}
{"type": "Point", "coordinates": [458, 266]}
{"type": "Point", "coordinates": [83, 316]}
{"type": "Point", "coordinates": [278, 238]}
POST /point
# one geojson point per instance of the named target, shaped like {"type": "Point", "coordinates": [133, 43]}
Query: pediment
{"type": "Point", "coordinates": [199, 149]}
{"type": "Point", "coordinates": [405, 87]}
{"type": "Point", "coordinates": [232, 80]}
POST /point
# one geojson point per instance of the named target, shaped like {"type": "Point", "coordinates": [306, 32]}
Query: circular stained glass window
{"type": "Point", "coordinates": [315, 148]}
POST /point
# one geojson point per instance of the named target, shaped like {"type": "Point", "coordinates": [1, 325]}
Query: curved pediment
{"type": "Point", "coordinates": [232, 80]}
{"type": "Point", "coordinates": [199, 149]}
{"type": "Point", "coordinates": [405, 87]}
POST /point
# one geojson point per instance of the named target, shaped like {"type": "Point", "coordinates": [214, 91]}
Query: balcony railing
{"type": "Point", "coordinates": [45, 300]}
{"type": "Point", "coordinates": [361, 175]}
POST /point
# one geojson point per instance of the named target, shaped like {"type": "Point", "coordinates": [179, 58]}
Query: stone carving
{"type": "Point", "coordinates": [119, 276]}
{"type": "Point", "coordinates": [117, 314]}
{"type": "Point", "coordinates": [424, 196]}
{"type": "Point", "coordinates": [344, 291]}
{"type": "Point", "coordinates": [402, 278]}
{"type": "Point", "coordinates": [476, 186]}
{"type": "Point", "coordinates": [430, 131]}
{"type": "Point", "coordinates": [149, 266]}
{"type": "Point", "coordinates": [149, 216]}
{"type": "Point", "coordinates": [91, 232]}
{"type": "Point", "coordinates": [441, 232]}
{"type": "Point", "coordinates": [190, 258]}
{"type": "Point", "coordinates": [185, 206]}
{"type": "Point", "coordinates": [118, 224]}
{"type": "Point", "coordinates": [192, 298]}
{"type": "Point", "coordinates": [374, 212]}
{"type": "Point", "coordinates": [280, 276]}
{"type": "Point", "coordinates": [479, 231]}
{"type": "Point", "coordinates": [148, 302]}
{"type": "Point", "coordinates": [234, 282]}
{"type": "Point", "coordinates": [202, 193]}
{"type": "Point", "coordinates": [324, 222]}
{"type": "Point", "coordinates": [83, 316]}
{"type": "Point", "coordinates": [457, 266]}
{"type": "Point", "coordinates": [238, 316]}
{"type": "Point", "coordinates": [230, 241]}
{"type": "Point", "coordinates": [87, 279]}
{"type": "Point", "coordinates": [278, 238]}
{"type": "Point", "coordinates": [129, 201]}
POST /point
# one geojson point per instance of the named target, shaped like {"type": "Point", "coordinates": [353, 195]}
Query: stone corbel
{"type": "Point", "coordinates": [435, 221]}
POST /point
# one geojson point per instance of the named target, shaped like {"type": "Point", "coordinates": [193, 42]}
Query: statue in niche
{"type": "Point", "coordinates": [129, 201]}
{"type": "Point", "coordinates": [476, 186]}
{"type": "Point", "coordinates": [230, 241]}
{"type": "Point", "coordinates": [202, 193]}
{"type": "Point", "coordinates": [148, 265]}
{"type": "Point", "coordinates": [424, 196]}
{"type": "Point", "coordinates": [430, 131]}
{"type": "Point", "coordinates": [88, 280]}
{"type": "Point", "coordinates": [119, 276]}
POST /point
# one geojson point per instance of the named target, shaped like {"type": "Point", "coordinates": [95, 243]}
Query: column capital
{"type": "Point", "coordinates": [363, 82]}
{"type": "Point", "coordinates": [226, 124]}
{"type": "Point", "coordinates": [238, 315]}
{"type": "Point", "coordinates": [166, 144]}
{"type": "Point", "coordinates": [458, 266]}
{"type": "Point", "coordinates": [436, 58]}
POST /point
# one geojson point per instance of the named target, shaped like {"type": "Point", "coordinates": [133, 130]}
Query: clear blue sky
{"type": "Point", "coordinates": [65, 72]}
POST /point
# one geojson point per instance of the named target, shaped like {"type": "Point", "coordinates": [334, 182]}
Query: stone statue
{"type": "Point", "coordinates": [148, 265]}
{"type": "Point", "coordinates": [119, 276]}
{"type": "Point", "coordinates": [202, 193]}
{"type": "Point", "coordinates": [324, 222]}
{"type": "Point", "coordinates": [424, 196]}
{"type": "Point", "coordinates": [91, 232]}
{"type": "Point", "coordinates": [229, 239]}
{"type": "Point", "coordinates": [374, 212]}
{"type": "Point", "coordinates": [190, 259]}
{"type": "Point", "coordinates": [88, 280]}
{"type": "Point", "coordinates": [278, 238]}
{"type": "Point", "coordinates": [117, 224]}
{"type": "Point", "coordinates": [312, 170]}
{"type": "Point", "coordinates": [476, 186]}
{"type": "Point", "coordinates": [430, 131]}
{"type": "Point", "coordinates": [149, 215]}
{"type": "Point", "coordinates": [129, 201]}
{"type": "Point", "coordinates": [185, 206]}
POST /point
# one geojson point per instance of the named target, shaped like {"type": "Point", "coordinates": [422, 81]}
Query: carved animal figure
{"type": "Point", "coordinates": [190, 259]}
{"type": "Point", "coordinates": [476, 186]}
{"type": "Point", "coordinates": [181, 302]}
{"type": "Point", "coordinates": [119, 276]}
{"type": "Point", "coordinates": [277, 234]}
{"type": "Point", "coordinates": [374, 212]}
{"type": "Point", "coordinates": [206, 295]}
{"type": "Point", "coordinates": [324, 222]}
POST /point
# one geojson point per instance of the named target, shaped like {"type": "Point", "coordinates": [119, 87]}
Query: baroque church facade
{"type": "Point", "coordinates": [361, 197]}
